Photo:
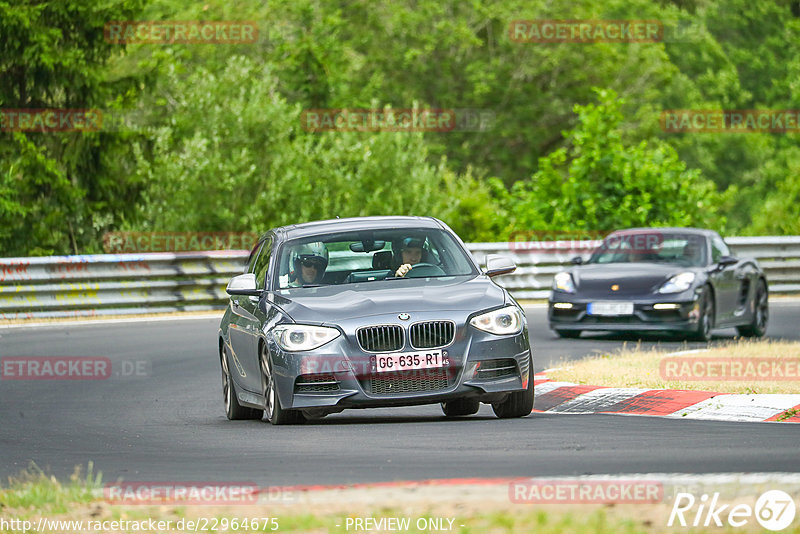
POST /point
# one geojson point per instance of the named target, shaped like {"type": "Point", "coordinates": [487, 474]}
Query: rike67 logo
{"type": "Point", "coordinates": [774, 510]}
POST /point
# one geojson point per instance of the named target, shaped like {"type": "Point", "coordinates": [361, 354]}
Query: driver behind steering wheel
{"type": "Point", "coordinates": [410, 254]}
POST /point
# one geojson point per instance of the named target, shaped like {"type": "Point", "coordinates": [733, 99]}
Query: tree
{"type": "Point", "coordinates": [598, 182]}
{"type": "Point", "coordinates": [230, 153]}
{"type": "Point", "coordinates": [58, 189]}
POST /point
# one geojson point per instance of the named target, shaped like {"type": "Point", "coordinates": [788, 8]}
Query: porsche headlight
{"type": "Point", "coordinates": [679, 282]}
{"type": "Point", "coordinates": [298, 337]}
{"type": "Point", "coordinates": [563, 282]}
{"type": "Point", "coordinates": [504, 321]}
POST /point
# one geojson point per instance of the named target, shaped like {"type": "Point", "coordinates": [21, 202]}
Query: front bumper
{"type": "Point", "coordinates": [341, 375]}
{"type": "Point", "coordinates": [645, 317]}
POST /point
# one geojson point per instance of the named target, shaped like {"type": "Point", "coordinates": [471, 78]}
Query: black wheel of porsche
{"type": "Point", "coordinates": [569, 334]}
{"type": "Point", "coordinates": [758, 326]}
{"type": "Point", "coordinates": [518, 403]}
{"type": "Point", "coordinates": [233, 410]}
{"type": "Point", "coordinates": [273, 410]}
{"type": "Point", "coordinates": [706, 321]}
{"type": "Point", "coordinates": [461, 407]}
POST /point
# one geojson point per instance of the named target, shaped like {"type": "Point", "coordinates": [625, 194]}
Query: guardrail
{"type": "Point", "coordinates": [102, 284]}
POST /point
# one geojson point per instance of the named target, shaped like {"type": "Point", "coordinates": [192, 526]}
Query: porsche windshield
{"type": "Point", "coordinates": [367, 256]}
{"type": "Point", "coordinates": [654, 247]}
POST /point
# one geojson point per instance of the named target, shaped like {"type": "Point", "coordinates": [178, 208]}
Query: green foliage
{"type": "Point", "coordinates": [780, 212]}
{"type": "Point", "coordinates": [219, 144]}
{"type": "Point", "coordinates": [233, 155]}
{"type": "Point", "coordinates": [56, 189]}
{"type": "Point", "coordinates": [601, 183]}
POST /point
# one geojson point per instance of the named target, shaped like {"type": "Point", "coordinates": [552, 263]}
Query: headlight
{"type": "Point", "coordinates": [563, 282]}
{"type": "Point", "coordinates": [678, 283]}
{"type": "Point", "coordinates": [297, 337]}
{"type": "Point", "coordinates": [504, 321]}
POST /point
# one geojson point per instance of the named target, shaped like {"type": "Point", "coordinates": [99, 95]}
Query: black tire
{"type": "Point", "coordinates": [758, 326]}
{"type": "Point", "coordinates": [569, 334]}
{"type": "Point", "coordinates": [461, 407]}
{"type": "Point", "coordinates": [518, 403]}
{"type": "Point", "coordinates": [705, 324]}
{"type": "Point", "coordinates": [273, 409]}
{"type": "Point", "coordinates": [233, 410]}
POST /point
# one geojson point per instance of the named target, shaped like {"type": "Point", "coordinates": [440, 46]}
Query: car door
{"type": "Point", "coordinates": [246, 334]}
{"type": "Point", "coordinates": [726, 285]}
{"type": "Point", "coordinates": [235, 334]}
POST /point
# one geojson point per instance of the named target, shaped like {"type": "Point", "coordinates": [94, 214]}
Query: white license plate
{"type": "Point", "coordinates": [405, 361]}
{"type": "Point", "coordinates": [610, 308]}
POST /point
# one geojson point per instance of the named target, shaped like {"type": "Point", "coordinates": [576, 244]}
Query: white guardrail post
{"type": "Point", "coordinates": [103, 284]}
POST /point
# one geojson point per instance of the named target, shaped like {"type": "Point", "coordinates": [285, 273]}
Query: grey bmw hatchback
{"type": "Point", "coordinates": [371, 312]}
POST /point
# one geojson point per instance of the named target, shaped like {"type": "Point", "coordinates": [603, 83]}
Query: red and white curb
{"type": "Point", "coordinates": [569, 398]}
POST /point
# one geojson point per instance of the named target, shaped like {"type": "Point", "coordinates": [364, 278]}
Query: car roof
{"type": "Point", "coordinates": [355, 223]}
{"type": "Point", "coordinates": [672, 229]}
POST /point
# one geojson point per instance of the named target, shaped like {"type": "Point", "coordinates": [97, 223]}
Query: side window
{"type": "Point", "coordinates": [718, 249]}
{"type": "Point", "coordinates": [251, 260]}
{"type": "Point", "coordinates": [262, 263]}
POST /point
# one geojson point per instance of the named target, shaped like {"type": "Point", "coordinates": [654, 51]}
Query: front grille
{"type": "Point", "coordinates": [409, 381]}
{"type": "Point", "coordinates": [497, 368]}
{"type": "Point", "coordinates": [316, 383]}
{"type": "Point", "coordinates": [380, 338]}
{"type": "Point", "coordinates": [432, 334]}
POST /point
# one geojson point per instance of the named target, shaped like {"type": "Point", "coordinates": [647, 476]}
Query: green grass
{"type": "Point", "coordinates": [523, 521]}
{"type": "Point", "coordinates": [35, 493]}
{"type": "Point", "coordinates": [34, 489]}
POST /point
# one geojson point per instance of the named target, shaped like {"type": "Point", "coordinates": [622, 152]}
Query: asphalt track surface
{"type": "Point", "coordinates": [169, 423]}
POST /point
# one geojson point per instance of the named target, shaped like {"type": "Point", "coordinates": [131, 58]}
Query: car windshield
{"type": "Point", "coordinates": [652, 247]}
{"type": "Point", "coordinates": [370, 255]}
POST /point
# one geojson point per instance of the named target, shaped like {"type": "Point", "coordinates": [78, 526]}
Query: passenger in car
{"type": "Point", "coordinates": [310, 262]}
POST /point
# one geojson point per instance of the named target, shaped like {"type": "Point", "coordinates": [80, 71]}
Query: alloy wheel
{"type": "Point", "coordinates": [269, 383]}
{"type": "Point", "coordinates": [762, 309]}
{"type": "Point", "coordinates": [226, 381]}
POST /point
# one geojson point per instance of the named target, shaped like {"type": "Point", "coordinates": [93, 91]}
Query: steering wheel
{"type": "Point", "coordinates": [421, 270]}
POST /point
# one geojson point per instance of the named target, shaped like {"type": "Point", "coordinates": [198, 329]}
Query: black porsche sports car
{"type": "Point", "coordinates": [661, 279]}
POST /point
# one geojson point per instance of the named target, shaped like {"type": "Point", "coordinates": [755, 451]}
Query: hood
{"type": "Point", "coordinates": [332, 304]}
{"type": "Point", "coordinates": [632, 278]}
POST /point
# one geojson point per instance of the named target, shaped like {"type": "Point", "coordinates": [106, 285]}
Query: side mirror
{"type": "Point", "coordinates": [244, 284]}
{"type": "Point", "coordinates": [726, 261]}
{"type": "Point", "coordinates": [577, 260]}
{"type": "Point", "coordinates": [496, 265]}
